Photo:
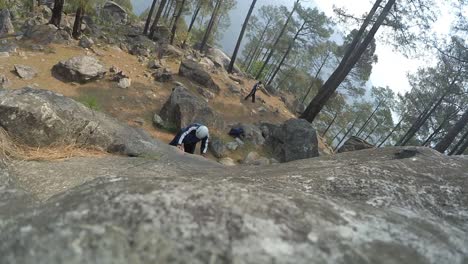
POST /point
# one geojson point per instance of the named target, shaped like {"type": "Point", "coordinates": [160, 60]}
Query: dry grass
{"type": "Point", "coordinates": [10, 150]}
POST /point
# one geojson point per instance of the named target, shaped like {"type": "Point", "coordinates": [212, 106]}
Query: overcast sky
{"type": "Point", "coordinates": [392, 68]}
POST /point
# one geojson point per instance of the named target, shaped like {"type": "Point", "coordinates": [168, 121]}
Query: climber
{"type": "Point", "coordinates": [254, 90]}
{"type": "Point", "coordinates": [187, 139]}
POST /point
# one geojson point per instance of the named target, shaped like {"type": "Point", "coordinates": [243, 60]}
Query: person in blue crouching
{"type": "Point", "coordinates": [187, 139]}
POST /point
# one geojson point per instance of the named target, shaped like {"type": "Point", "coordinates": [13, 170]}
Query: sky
{"type": "Point", "coordinates": [391, 69]}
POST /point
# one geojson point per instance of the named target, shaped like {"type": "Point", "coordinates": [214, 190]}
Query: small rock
{"type": "Point", "coordinates": [25, 72]}
{"type": "Point", "coordinates": [124, 83]}
{"type": "Point", "coordinates": [240, 142]}
{"type": "Point", "coordinates": [115, 69]}
{"type": "Point", "coordinates": [163, 75]}
{"type": "Point", "coordinates": [227, 162]}
{"type": "Point", "coordinates": [37, 47]}
{"type": "Point", "coordinates": [4, 81]}
{"type": "Point", "coordinates": [232, 146]}
{"type": "Point", "coordinates": [139, 121]}
{"type": "Point", "coordinates": [154, 64]}
{"type": "Point", "coordinates": [217, 147]}
{"type": "Point", "coordinates": [253, 158]}
{"type": "Point", "coordinates": [158, 121]}
{"type": "Point", "coordinates": [234, 89]}
{"type": "Point", "coordinates": [205, 93]}
{"type": "Point", "coordinates": [86, 42]}
{"type": "Point", "coordinates": [262, 109]}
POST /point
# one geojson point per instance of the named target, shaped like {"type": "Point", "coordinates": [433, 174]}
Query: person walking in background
{"type": "Point", "coordinates": [187, 139]}
{"type": "Point", "coordinates": [254, 90]}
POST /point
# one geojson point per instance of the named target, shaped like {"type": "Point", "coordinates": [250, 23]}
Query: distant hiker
{"type": "Point", "coordinates": [254, 90]}
{"type": "Point", "coordinates": [188, 137]}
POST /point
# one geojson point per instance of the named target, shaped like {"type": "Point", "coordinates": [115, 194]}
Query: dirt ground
{"type": "Point", "coordinates": [145, 97]}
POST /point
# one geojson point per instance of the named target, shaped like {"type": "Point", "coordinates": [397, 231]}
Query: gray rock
{"type": "Point", "coordinates": [294, 139]}
{"type": "Point", "coordinates": [161, 34]}
{"type": "Point", "coordinates": [234, 89]}
{"type": "Point", "coordinates": [184, 108]}
{"type": "Point", "coordinates": [45, 34]}
{"type": "Point", "coordinates": [80, 69]}
{"type": "Point", "coordinates": [25, 72]}
{"type": "Point", "coordinates": [232, 146]}
{"type": "Point", "coordinates": [252, 134]}
{"type": "Point", "coordinates": [240, 142]}
{"type": "Point", "coordinates": [163, 75]}
{"type": "Point", "coordinates": [86, 42]}
{"type": "Point", "coordinates": [221, 60]}
{"type": "Point", "coordinates": [355, 143]}
{"type": "Point", "coordinates": [205, 93]}
{"type": "Point", "coordinates": [139, 121]}
{"type": "Point", "coordinates": [236, 79]}
{"type": "Point", "coordinates": [154, 64]}
{"type": "Point", "coordinates": [115, 12]}
{"type": "Point", "coordinates": [217, 147]}
{"type": "Point", "coordinates": [207, 63]}
{"type": "Point", "coordinates": [43, 118]}
{"type": "Point", "coordinates": [253, 158]}
{"type": "Point", "coordinates": [361, 207]}
{"type": "Point", "coordinates": [227, 162]}
{"type": "Point", "coordinates": [194, 71]}
{"type": "Point", "coordinates": [158, 121]}
{"type": "Point", "coordinates": [4, 81]}
{"type": "Point", "coordinates": [124, 83]}
{"type": "Point", "coordinates": [167, 50]}
{"type": "Point", "coordinates": [6, 27]}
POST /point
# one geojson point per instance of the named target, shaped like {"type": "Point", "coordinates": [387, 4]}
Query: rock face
{"type": "Point", "coordinates": [293, 140]}
{"type": "Point", "coordinates": [25, 72]}
{"type": "Point", "coordinates": [195, 71]}
{"type": "Point", "coordinates": [115, 12]}
{"type": "Point", "coordinates": [6, 27]}
{"type": "Point", "coordinates": [43, 118]}
{"type": "Point", "coordinates": [183, 108]}
{"type": "Point", "coordinates": [80, 69]}
{"type": "Point", "coordinates": [361, 207]}
{"type": "Point", "coordinates": [353, 144]}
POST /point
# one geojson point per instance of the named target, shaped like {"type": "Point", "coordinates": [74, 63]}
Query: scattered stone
{"type": "Point", "coordinates": [124, 83]}
{"type": "Point", "coordinates": [240, 142]}
{"type": "Point", "coordinates": [115, 69]}
{"type": "Point", "coordinates": [25, 72]}
{"type": "Point", "coordinates": [86, 42]}
{"type": "Point", "coordinates": [252, 133]}
{"type": "Point", "coordinates": [217, 147]}
{"type": "Point", "coordinates": [80, 69]}
{"type": "Point", "coordinates": [6, 27]}
{"type": "Point", "coordinates": [234, 89]}
{"type": "Point", "coordinates": [232, 146]}
{"type": "Point", "coordinates": [262, 109]}
{"type": "Point", "coordinates": [205, 93]}
{"type": "Point", "coordinates": [354, 144]}
{"type": "Point", "coordinates": [4, 81]}
{"type": "Point", "coordinates": [253, 158]}
{"type": "Point", "coordinates": [295, 139]}
{"type": "Point", "coordinates": [170, 51]}
{"type": "Point", "coordinates": [237, 79]}
{"type": "Point", "coordinates": [163, 75]}
{"type": "Point", "coordinates": [227, 162]}
{"type": "Point", "coordinates": [139, 121]}
{"type": "Point", "coordinates": [158, 121]}
{"type": "Point", "coordinates": [154, 64]}
{"type": "Point", "coordinates": [194, 71]}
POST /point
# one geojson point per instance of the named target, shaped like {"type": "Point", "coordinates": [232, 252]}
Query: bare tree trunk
{"type": "Point", "coordinates": [443, 145]}
{"type": "Point", "coordinates": [57, 13]}
{"type": "Point", "coordinates": [391, 132]}
{"type": "Point", "coordinates": [316, 76]}
{"type": "Point", "coordinates": [463, 148]}
{"type": "Point", "coordinates": [241, 36]}
{"type": "Point", "coordinates": [350, 59]}
{"type": "Point", "coordinates": [460, 142]}
{"type": "Point", "coordinates": [210, 25]}
{"type": "Point", "coordinates": [192, 22]}
{"type": "Point", "coordinates": [368, 119]}
{"type": "Point", "coordinates": [78, 21]}
{"type": "Point", "coordinates": [272, 50]}
{"type": "Point", "coordinates": [372, 131]}
{"type": "Point", "coordinates": [347, 133]}
{"type": "Point", "coordinates": [158, 16]}
{"type": "Point", "coordinates": [176, 20]}
{"type": "Point", "coordinates": [329, 125]}
{"type": "Point", "coordinates": [168, 9]}
{"type": "Point", "coordinates": [148, 19]}
{"type": "Point", "coordinates": [257, 47]}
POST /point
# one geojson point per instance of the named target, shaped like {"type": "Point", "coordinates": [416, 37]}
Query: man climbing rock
{"type": "Point", "coordinates": [254, 90]}
{"type": "Point", "coordinates": [187, 139]}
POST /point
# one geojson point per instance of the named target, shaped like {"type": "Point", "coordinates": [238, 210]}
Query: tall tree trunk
{"type": "Point", "coordinates": [78, 21]}
{"type": "Point", "coordinates": [168, 9]}
{"type": "Point", "coordinates": [174, 14]}
{"type": "Point", "coordinates": [286, 54]}
{"type": "Point", "coordinates": [148, 19]}
{"type": "Point", "coordinates": [329, 125]}
{"type": "Point", "coordinates": [210, 25]}
{"type": "Point", "coordinates": [316, 76]}
{"type": "Point", "coordinates": [258, 46]}
{"type": "Point", "coordinates": [273, 48]}
{"type": "Point", "coordinates": [372, 131]}
{"type": "Point", "coordinates": [443, 145]}
{"type": "Point", "coordinates": [391, 132]}
{"type": "Point", "coordinates": [158, 16]}
{"type": "Point", "coordinates": [337, 134]}
{"type": "Point", "coordinates": [347, 133]}
{"type": "Point", "coordinates": [241, 36]}
{"type": "Point", "coordinates": [460, 142]}
{"type": "Point", "coordinates": [437, 130]}
{"type": "Point", "coordinates": [463, 148]}
{"type": "Point", "coordinates": [347, 63]}
{"type": "Point", "coordinates": [176, 20]}
{"type": "Point", "coordinates": [368, 119]}
{"type": "Point", "coordinates": [57, 13]}
{"type": "Point", "coordinates": [192, 22]}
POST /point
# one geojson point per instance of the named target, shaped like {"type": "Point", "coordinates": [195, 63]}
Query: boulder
{"type": "Point", "coordinates": [115, 12]}
{"type": "Point", "coordinates": [155, 64]}
{"type": "Point", "coordinates": [45, 34]}
{"type": "Point", "coordinates": [80, 69]}
{"type": "Point", "coordinates": [295, 139]}
{"type": "Point", "coordinates": [124, 83]}
{"type": "Point", "coordinates": [252, 134]}
{"type": "Point", "coordinates": [161, 34]}
{"type": "Point", "coordinates": [355, 143]}
{"type": "Point", "coordinates": [221, 60]}
{"type": "Point", "coordinates": [163, 75]}
{"type": "Point", "coordinates": [361, 207]}
{"type": "Point", "coordinates": [217, 147]}
{"type": "Point", "coordinates": [194, 71]}
{"type": "Point", "coordinates": [253, 158]}
{"type": "Point", "coordinates": [25, 72]}
{"type": "Point", "coordinates": [158, 121]}
{"type": "Point", "coordinates": [234, 89]}
{"type": "Point", "coordinates": [167, 50]}
{"type": "Point", "coordinates": [207, 63]}
{"type": "Point", "coordinates": [184, 108]}
{"type": "Point", "coordinates": [232, 146]}
{"type": "Point", "coordinates": [44, 118]}
{"type": "Point", "coordinates": [86, 42]}
{"type": "Point", "coordinates": [6, 27]}
{"type": "Point", "coordinates": [205, 93]}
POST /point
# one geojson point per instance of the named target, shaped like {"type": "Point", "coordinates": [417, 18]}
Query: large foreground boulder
{"type": "Point", "coordinates": [355, 143]}
{"type": "Point", "coordinates": [79, 69]}
{"type": "Point", "coordinates": [293, 140]}
{"type": "Point", "coordinates": [196, 72]}
{"type": "Point", "coordinates": [365, 207]}
{"type": "Point", "coordinates": [43, 118]}
{"type": "Point", "coordinates": [183, 108]}
{"type": "Point", "coordinates": [6, 27]}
